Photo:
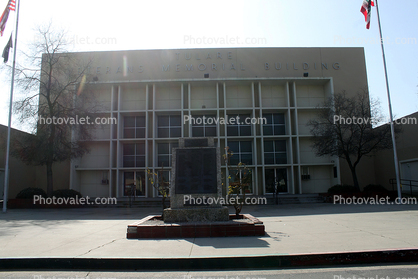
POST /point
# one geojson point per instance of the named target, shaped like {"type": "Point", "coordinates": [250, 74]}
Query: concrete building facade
{"type": "Point", "coordinates": [154, 96]}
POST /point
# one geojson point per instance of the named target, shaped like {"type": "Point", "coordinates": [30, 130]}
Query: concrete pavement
{"type": "Point", "coordinates": [100, 233]}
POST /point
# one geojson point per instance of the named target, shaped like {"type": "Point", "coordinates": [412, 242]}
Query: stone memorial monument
{"type": "Point", "coordinates": [196, 185]}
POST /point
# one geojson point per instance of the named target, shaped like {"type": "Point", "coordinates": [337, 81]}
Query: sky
{"type": "Point", "coordinates": [97, 25]}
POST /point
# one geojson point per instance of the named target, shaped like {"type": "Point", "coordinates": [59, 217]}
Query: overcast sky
{"type": "Point", "coordinates": [135, 24]}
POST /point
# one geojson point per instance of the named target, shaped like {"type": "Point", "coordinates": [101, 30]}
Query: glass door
{"type": "Point", "coordinates": [134, 183]}
{"type": "Point", "coordinates": [276, 181]}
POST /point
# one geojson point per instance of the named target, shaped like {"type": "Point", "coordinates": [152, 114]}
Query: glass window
{"type": "Point", "coordinates": [134, 155]}
{"type": "Point", "coordinates": [238, 126]}
{"type": "Point", "coordinates": [275, 124]}
{"type": "Point", "coordinates": [242, 152]}
{"type": "Point", "coordinates": [164, 151]}
{"type": "Point", "coordinates": [169, 126]}
{"type": "Point", "coordinates": [275, 152]}
{"type": "Point", "coordinates": [204, 126]}
{"type": "Point", "coordinates": [134, 127]}
{"type": "Point", "coordinates": [129, 121]}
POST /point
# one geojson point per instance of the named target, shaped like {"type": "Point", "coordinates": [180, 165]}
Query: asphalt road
{"type": "Point", "coordinates": [346, 272]}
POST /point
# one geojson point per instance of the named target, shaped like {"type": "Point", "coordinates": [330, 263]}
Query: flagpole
{"type": "Point", "coordinates": [6, 169]}
{"type": "Point", "coordinates": [392, 129]}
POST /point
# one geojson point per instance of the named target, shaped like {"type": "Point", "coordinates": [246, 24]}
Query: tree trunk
{"type": "Point", "coordinates": [355, 180]}
{"type": "Point", "coordinates": [49, 181]}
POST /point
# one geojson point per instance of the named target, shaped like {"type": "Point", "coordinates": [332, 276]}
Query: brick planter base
{"type": "Point", "coordinates": [153, 227]}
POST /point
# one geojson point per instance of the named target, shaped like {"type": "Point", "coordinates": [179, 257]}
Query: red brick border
{"type": "Point", "coordinates": [212, 229]}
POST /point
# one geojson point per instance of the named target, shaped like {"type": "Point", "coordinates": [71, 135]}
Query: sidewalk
{"type": "Point", "coordinates": [290, 229]}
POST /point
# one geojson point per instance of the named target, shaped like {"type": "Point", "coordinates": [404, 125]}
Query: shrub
{"type": "Point", "coordinates": [28, 193]}
{"type": "Point", "coordinates": [342, 189]}
{"type": "Point", "coordinates": [375, 188]}
{"type": "Point", "coordinates": [66, 193]}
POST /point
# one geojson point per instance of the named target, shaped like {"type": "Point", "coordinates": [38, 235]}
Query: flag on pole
{"type": "Point", "coordinates": [366, 10]}
{"type": "Point", "coordinates": [6, 49]}
{"type": "Point", "coordinates": [11, 6]}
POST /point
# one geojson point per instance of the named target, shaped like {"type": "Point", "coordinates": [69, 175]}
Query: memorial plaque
{"type": "Point", "coordinates": [196, 142]}
{"type": "Point", "coordinates": [196, 171]}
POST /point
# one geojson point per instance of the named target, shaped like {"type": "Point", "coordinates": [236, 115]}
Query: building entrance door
{"type": "Point", "coordinates": [276, 178]}
{"type": "Point", "coordinates": [134, 183]}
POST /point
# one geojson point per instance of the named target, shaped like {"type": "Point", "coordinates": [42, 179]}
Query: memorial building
{"type": "Point", "coordinates": [256, 101]}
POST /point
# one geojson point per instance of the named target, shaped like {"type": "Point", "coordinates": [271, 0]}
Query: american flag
{"type": "Point", "coordinates": [11, 6]}
{"type": "Point", "coordinates": [366, 10]}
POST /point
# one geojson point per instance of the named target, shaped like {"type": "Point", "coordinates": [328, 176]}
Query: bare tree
{"type": "Point", "coordinates": [344, 128]}
{"type": "Point", "coordinates": [50, 78]}
{"type": "Point", "coordinates": [239, 180]}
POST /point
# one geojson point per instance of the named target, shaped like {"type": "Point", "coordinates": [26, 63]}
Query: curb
{"type": "Point", "coordinates": [213, 263]}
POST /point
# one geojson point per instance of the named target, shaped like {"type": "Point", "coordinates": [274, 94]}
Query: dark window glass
{"type": "Point", "coordinates": [140, 161]}
{"type": "Point", "coordinates": [234, 160]}
{"type": "Point", "coordinates": [128, 161]}
{"type": "Point", "coordinates": [128, 149]}
{"type": "Point", "coordinates": [247, 159]}
{"type": "Point", "coordinates": [163, 148]}
{"type": "Point", "coordinates": [268, 130]}
{"type": "Point", "coordinates": [129, 121]}
{"type": "Point", "coordinates": [233, 146]}
{"type": "Point", "coordinates": [163, 132]}
{"type": "Point", "coordinates": [268, 146]}
{"type": "Point", "coordinates": [210, 131]}
{"type": "Point", "coordinates": [140, 121]}
{"type": "Point", "coordinates": [275, 124]}
{"type": "Point", "coordinates": [279, 130]}
{"type": "Point", "coordinates": [232, 130]}
{"type": "Point", "coordinates": [169, 126]}
{"type": "Point", "coordinates": [245, 131]}
{"type": "Point", "coordinates": [129, 133]}
{"type": "Point", "coordinates": [164, 160]}
{"type": "Point", "coordinates": [164, 120]}
{"type": "Point", "coordinates": [140, 132]}
{"type": "Point", "coordinates": [134, 127]}
{"type": "Point", "coordinates": [269, 158]}
{"type": "Point", "coordinates": [281, 158]}
{"type": "Point", "coordinates": [270, 180]}
{"type": "Point", "coordinates": [239, 127]}
{"type": "Point", "coordinates": [175, 132]}
{"type": "Point", "coordinates": [242, 152]}
{"type": "Point", "coordinates": [246, 146]}
{"type": "Point", "coordinates": [280, 145]}
{"type": "Point", "coordinates": [278, 118]}
{"type": "Point", "coordinates": [269, 118]}
{"type": "Point", "coordinates": [175, 120]}
{"type": "Point", "coordinates": [198, 132]}
{"type": "Point", "coordinates": [140, 148]}
{"type": "Point", "coordinates": [203, 128]}
{"type": "Point", "coordinates": [275, 152]}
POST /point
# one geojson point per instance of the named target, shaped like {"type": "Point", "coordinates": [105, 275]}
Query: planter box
{"type": "Point", "coordinates": [154, 227]}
